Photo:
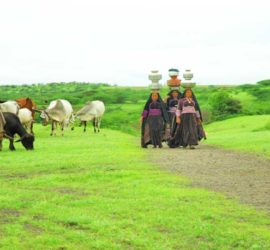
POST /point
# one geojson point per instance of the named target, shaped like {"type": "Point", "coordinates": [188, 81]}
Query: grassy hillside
{"type": "Point", "coordinates": [247, 133]}
{"type": "Point", "coordinates": [99, 192]}
{"type": "Point", "coordinates": [124, 104]}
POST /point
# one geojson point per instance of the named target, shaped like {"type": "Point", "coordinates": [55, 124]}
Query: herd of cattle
{"type": "Point", "coordinates": [19, 116]}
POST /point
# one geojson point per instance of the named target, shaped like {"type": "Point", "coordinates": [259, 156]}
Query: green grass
{"type": "Point", "coordinates": [247, 133]}
{"type": "Point", "coordinates": [89, 191]}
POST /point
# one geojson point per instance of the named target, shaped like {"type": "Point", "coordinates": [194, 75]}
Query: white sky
{"type": "Point", "coordinates": [120, 41]}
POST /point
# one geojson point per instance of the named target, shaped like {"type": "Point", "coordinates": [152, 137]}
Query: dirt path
{"type": "Point", "coordinates": [239, 175]}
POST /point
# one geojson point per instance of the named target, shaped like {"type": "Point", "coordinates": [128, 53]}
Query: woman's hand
{"type": "Point", "coordinates": [165, 99]}
{"type": "Point", "coordinates": [141, 120]}
{"type": "Point", "coordinates": [178, 120]}
{"type": "Point", "coordinates": [199, 121]}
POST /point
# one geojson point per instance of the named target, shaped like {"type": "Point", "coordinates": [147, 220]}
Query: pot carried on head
{"type": "Point", "coordinates": [174, 83]}
{"type": "Point", "coordinates": [188, 83]}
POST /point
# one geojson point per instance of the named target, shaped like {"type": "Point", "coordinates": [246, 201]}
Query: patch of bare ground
{"type": "Point", "coordinates": [235, 174]}
{"type": "Point", "coordinates": [8, 215]}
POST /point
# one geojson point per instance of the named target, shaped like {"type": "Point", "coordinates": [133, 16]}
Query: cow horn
{"type": "Point", "coordinates": [24, 136]}
{"type": "Point", "coordinates": [8, 137]}
{"type": "Point", "coordinates": [20, 139]}
{"type": "Point", "coordinates": [37, 110]}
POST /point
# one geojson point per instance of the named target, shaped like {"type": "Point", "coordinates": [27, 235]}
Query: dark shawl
{"type": "Point", "coordinates": [163, 108]}
{"type": "Point", "coordinates": [170, 97]}
{"type": "Point", "coordinates": [197, 106]}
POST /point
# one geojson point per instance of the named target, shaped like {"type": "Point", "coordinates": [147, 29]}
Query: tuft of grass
{"type": "Point", "coordinates": [264, 128]}
{"type": "Point", "coordinates": [97, 191]}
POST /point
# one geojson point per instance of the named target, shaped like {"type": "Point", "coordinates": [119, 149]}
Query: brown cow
{"type": "Point", "coordinates": [29, 104]}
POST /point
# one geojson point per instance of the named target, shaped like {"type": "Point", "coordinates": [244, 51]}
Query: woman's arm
{"type": "Point", "coordinates": [178, 111]}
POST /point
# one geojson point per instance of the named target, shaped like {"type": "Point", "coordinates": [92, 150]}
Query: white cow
{"type": "Point", "coordinates": [59, 111]}
{"type": "Point", "coordinates": [10, 106]}
{"type": "Point", "coordinates": [93, 110]}
{"type": "Point", "coordinates": [26, 118]}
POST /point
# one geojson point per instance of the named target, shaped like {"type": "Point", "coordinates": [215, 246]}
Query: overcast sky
{"type": "Point", "coordinates": [120, 41]}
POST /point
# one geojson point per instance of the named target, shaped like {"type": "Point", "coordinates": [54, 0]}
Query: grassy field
{"type": "Point", "coordinates": [99, 192]}
{"type": "Point", "coordinates": [247, 133]}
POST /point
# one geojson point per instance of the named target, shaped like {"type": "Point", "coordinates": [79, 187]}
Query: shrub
{"type": "Point", "coordinates": [222, 105]}
{"type": "Point", "coordinates": [264, 82]}
{"type": "Point", "coordinates": [207, 116]}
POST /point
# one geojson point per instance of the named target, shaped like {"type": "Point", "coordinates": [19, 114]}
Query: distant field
{"type": "Point", "coordinates": [89, 191]}
{"type": "Point", "coordinates": [124, 104]}
{"type": "Point", "coordinates": [247, 133]}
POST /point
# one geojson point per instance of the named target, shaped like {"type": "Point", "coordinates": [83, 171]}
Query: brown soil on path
{"type": "Point", "coordinates": [239, 175]}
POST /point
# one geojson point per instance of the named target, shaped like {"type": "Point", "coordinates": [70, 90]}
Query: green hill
{"type": "Point", "coordinates": [247, 133]}
{"type": "Point", "coordinates": [124, 104]}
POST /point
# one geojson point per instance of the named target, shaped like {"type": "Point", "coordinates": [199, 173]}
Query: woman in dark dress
{"type": "Point", "coordinates": [188, 118]}
{"type": "Point", "coordinates": [154, 119]}
{"type": "Point", "coordinates": [172, 101]}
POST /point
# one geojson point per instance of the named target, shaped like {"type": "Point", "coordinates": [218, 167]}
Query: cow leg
{"type": "Point", "coordinates": [55, 128]}
{"type": "Point", "coordinates": [99, 122]}
{"type": "Point", "coordinates": [72, 128]}
{"type": "Point", "coordinates": [52, 129]}
{"type": "Point", "coordinates": [11, 145]}
{"type": "Point", "coordinates": [62, 128]}
{"type": "Point", "coordinates": [31, 127]}
{"type": "Point", "coordinates": [1, 140]}
{"type": "Point", "coordinates": [53, 132]}
{"type": "Point", "coordinates": [28, 127]}
{"type": "Point", "coordinates": [56, 125]}
{"type": "Point", "coordinates": [94, 124]}
{"type": "Point", "coordinates": [85, 124]}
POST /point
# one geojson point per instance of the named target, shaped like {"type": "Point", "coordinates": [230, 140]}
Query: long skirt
{"type": "Point", "coordinates": [172, 122]}
{"type": "Point", "coordinates": [186, 132]}
{"type": "Point", "coordinates": [201, 132]}
{"type": "Point", "coordinates": [154, 131]}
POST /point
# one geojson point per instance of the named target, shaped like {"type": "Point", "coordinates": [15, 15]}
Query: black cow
{"type": "Point", "coordinates": [13, 126]}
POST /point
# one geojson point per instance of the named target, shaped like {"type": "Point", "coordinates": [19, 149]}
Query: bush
{"type": "Point", "coordinates": [222, 105]}
{"type": "Point", "coordinates": [262, 94]}
{"type": "Point", "coordinates": [264, 82]}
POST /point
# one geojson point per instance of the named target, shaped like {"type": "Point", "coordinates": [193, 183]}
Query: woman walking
{"type": "Point", "coordinates": [154, 119]}
{"type": "Point", "coordinates": [188, 118]}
